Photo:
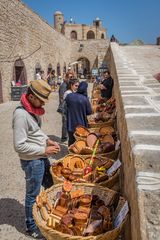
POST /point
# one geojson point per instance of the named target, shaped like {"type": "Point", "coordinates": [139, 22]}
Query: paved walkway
{"type": "Point", "coordinates": [12, 184]}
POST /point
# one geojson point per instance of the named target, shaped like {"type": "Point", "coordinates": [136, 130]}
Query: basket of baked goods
{"type": "Point", "coordinates": [94, 101]}
{"type": "Point", "coordinates": [96, 93]}
{"type": "Point", "coordinates": [101, 119]}
{"type": "Point", "coordinates": [101, 105]}
{"type": "Point", "coordinates": [82, 132]}
{"type": "Point", "coordinates": [70, 167]}
{"type": "Point", "coordinates": [107, 146]}
{"type": "Point", "coordinates": [80, 211]}
{"type": "Point", "coordinates": [103, 171]}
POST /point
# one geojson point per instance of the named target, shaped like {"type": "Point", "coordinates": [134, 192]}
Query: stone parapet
{"type": "Point", "coordinates": [137, 95]}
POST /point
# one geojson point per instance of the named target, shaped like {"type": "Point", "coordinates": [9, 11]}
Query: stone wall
{"type": "Point", "coordinates": [73, 27]}
{"type": "Point", "coordinates": [24, 34]}
{"type": "Point", "coordinates": [93, 50]}
{"type": "Point", "coordinates": [138, 115]}
{"type": "Point", "coordinates": [82, 31]}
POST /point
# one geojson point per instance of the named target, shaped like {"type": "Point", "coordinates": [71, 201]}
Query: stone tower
{"type": "Point", "coordinates": [58, 21]}
{"type": "Point", "coordinates": [97, 23]}
{"type": "Point", "coordinates": [158, 40]}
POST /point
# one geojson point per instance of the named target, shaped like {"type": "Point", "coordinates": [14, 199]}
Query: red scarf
{"type": "Point", "coordinates": [29, 108]}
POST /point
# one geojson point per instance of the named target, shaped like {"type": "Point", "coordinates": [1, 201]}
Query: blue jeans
{"type": "Point", "coordinates": [34, 176]}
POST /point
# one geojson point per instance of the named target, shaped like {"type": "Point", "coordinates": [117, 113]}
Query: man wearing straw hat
{"type": "Point", "coordinates": [33, 146]}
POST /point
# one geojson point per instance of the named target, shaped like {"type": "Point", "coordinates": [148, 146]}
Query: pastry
{"type": "Point", "coordinates": [76, 193]}
{"type": "Point", "coordinates": [76, 162]}
{"type": "Point", "coordinates": [86, 151]}
{"type": "Point", "coordinates": [66, 172]}
{"type": "Point", "coordinates": [91, 140]}
{"type": "Point", "coordinates": [66, 160]}
{"type": "Point", "coordinates": [63, 201]}
{"type": "Point", "coordinates": [107, 138]}
{"type": "Point", "coordinates": [67, 219]}
{"type": "Point", "coordinates": [85, 200]}
{"type": "Point", "coordinates": [101, 178]}
{"type": "Point", "coordinates": [80, 217]}
{"type": "Point", "coordinates": [82, 131]}
{"type": "Point", "coordinates": [106, 130]}
{"type": "Point", "coordinates": [79, 145]}
{"type": "Point", "coordinates": [62, 209]}
{"type": "Point", "coordinates": [67, 186]}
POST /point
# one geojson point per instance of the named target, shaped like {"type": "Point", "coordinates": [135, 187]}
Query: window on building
{"type": "Point", "coordinates": [74, 35]}
{"type": "Point", "coordinates": [49, 68]}
{"type": "Point", "coordinates": [64, 68]}
{"type": "Point", "coordinates": [19, 72]}
{"type": "Point", "coordinates": [102, 36]}
{"type": "Point", "coordinates": [58, 70]}
{"type": "Point", "coordinates": [90, 35]}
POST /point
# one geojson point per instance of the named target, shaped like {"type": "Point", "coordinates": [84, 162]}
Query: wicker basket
{"type": "Point", "coordinates": [112, 155]}
{"type": "Point", "coordinates": [108, 183]}
{"type": "Point", "coordinates": [111, 181]}
{"type": "Point", "coordinates": [106, 194]}
{"type": "Point", "coordinates": [94, 101]}
{"type": "Point", "coordinates": [111, 122]}
{"type": "Point", "coordinates": [79, 137]}
{"type": "Point", "coordinates": [92, 130]}
{"type": "Point", "coordinates": [96, 93]}
{"type": "Point", "coordinates": [56, 179]}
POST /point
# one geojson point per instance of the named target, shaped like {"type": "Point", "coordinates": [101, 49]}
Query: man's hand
{"type": "Point", "coordinates": [51, 150]}
{"type": "Point", "coordinates": [52, 147]}
{"type": "Point", "coordinates": [52, 143]}
{"type": "Point", "coordinates": [102, 86]}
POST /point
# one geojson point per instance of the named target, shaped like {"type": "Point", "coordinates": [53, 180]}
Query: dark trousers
{"type": "Point", "coordinates": [64, 127]}
{"type": "Point", "coordinates": [71, 139]}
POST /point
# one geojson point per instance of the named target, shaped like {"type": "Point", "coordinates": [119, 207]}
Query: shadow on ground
{"type": "Point", "coordinates": [12, 213]}
{"type": "Point", "coordinates": [64, 148]}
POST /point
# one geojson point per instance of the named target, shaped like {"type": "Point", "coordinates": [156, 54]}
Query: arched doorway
{"type": "Point", "coordinates": [90, 35]}
{"type": "Point", "coordinates": [83, 66]}
{"type": "Point", "coordinates": [1, 93]}
{"type": "Point", "coordinates": [58, 69]}
{"type": "Point", "coordinates": [19, 72]}
{"type": "Point", "coordinates": [37, 68]}
{"type": "Point", "coordinates": [64, 68]}
{"type": "Point", "coordinates": [102, 36]}
{"type": "Point", "coordinates": [73, 35]}
{"type": "Point", "coordinates": [49, 68]}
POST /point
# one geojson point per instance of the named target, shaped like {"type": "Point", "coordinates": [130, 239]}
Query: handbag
{"type": "Point", "coordinates": [62, 108]}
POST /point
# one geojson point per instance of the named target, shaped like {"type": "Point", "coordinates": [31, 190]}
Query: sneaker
{"type": "Point", "coordinates": [36, 234]}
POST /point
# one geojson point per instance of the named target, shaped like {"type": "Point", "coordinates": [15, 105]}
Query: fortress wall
{"type": "Point", "coordinates": [24, 34]}
{"type": "Point", "coordinates": [137, 96]}
{"type": "Point", "coordinates": [94, 50]}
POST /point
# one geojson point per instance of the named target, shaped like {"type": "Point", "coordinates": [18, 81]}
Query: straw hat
{"type": "Point", "coordinates": [41, 89]}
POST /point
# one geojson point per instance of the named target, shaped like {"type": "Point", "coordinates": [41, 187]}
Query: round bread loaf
{"type": "Point", "coordinates": [82, 131]}
{"type": "Point", "coordinates": [107, 138]}
{"type": "Point", "coordinates": [80, 144]}
{"type": "Point", "coordinates": [91, 140]}
{"type": "Point", "coordinates": [106, 130]}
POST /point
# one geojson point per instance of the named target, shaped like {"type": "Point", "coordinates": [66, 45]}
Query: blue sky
{"type": "Point", "coordinates": [126, 19]}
